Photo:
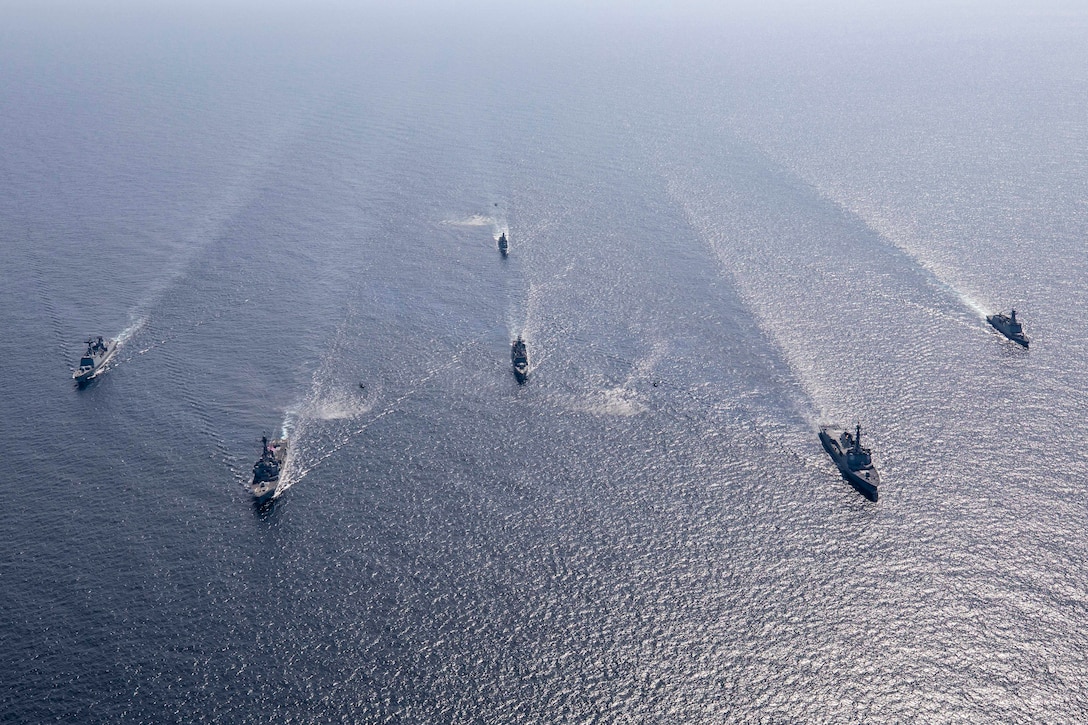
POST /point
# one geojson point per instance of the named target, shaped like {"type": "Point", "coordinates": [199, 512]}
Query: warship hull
{"type": "Point", "coordinates": [91, 365]}
{"type": "Point", "coordinates": [1001, 324]}
{"type": "Point", "coordinates": [264, 492]}
{"type": "Point", "coordinates": [865, 481]}
{"type": "Point", "coordinates": [519, 357]}
{"type": "Point", "coordinates": [267, 470]}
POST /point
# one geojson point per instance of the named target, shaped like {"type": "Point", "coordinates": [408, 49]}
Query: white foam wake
{"type": "Point", "coordinates": [618, 401]}
{"type": "Point", "coordinates": [126, 334]}
{"type": "Point", "coordinates": [476, 220]}
{"type": "Point", "coordinates": [336, 417]}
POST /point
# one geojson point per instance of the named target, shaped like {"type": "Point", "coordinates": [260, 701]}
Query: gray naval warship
{"type": "Point", "coordinates": [504, 246]}
{"type": "Point", "coordinates": [854, 461]}
{"type": "Point", "coordinates": [1010, 327]}
{"type": "Point", "coordinates": [519, 356]}
{"type": "Point", "coordinates": [99, 352]}
{"type": "Point", "coordinates": [266, 471]}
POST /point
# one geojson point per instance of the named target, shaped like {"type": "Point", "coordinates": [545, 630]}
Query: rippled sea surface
{"type": "Point", "coordinates": [725, 230]}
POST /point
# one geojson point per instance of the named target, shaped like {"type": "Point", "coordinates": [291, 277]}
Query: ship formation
{"type": "Point", "coordinates": [267, 469]}
{"type": "Point", "coordinates": [99, 351]}
{"type": "Point", "coordinates": [854, 461]}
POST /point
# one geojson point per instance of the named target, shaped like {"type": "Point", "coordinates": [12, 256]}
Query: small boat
{"type": "Point", "coordinates": [266, 471]}
{"type": "Point", "coordinates": [99, 352]}
{"type": "Point", "coordinates": [1010, 327]}
{"type": "Point", "coordinates": [853, 460]}
{"type": "Point", "coordinates": [519, 355]}
{"type": "Point", "coordinates": [504, 245]}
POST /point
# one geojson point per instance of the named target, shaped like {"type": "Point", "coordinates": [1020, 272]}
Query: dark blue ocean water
{"type": "Point", "coordinates": [726, 228]}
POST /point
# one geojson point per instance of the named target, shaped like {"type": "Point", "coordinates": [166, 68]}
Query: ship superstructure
{"type": "Point", "coordinates": [519, 356]}
{"type": "Point", "coordinates": [267, 469]}
{"type": "Point", "coordinates": [853, 460]}
{"type": "Point", "coordinates": [1010, 327]}
{"type": "Point", "coordinates": [99, 351]}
